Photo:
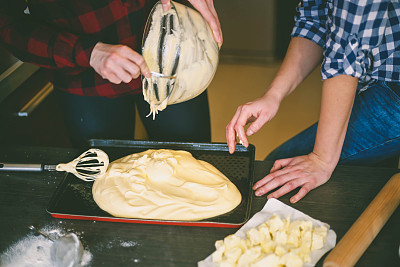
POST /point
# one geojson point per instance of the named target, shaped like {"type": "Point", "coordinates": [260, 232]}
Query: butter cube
{"type": "Point", "coordinates": [268, 246]}
{"type": "Point", "coordinates": [321, 230]}
{"type": "Point", "coordinates": [317, 241]}
{"type": "Point", "coordinates": [280, 250]}
{"type": "Point", "coordinates": [306, 242]}
{"type": "Point", "coordinates": [254, 237]}
{"type": "Point", "coordinates": [219, 243]}
{"type": "Point", "coordinates": [249, 256]}
{"type": "Point", "coordinates": [264, 231]}
{"type": "Point", "coordinates": [233, 241]}
{"type": "Point", "coordinates": [318, 238]}
{"type": "Point", "coordinates": [301, 254]}
{"type": "Point", "coordinates": [217, 255]}
{"type": "Point", "coordinates": [275, 223]}
{"type": "Point", "coordinates": [295, 228]}
{"type": "Point", "coordinates": [268, 260]}
{"type": "Point", "coordinates": [280, 237]}
{"type": "Point", "coordinates": [306, 226]}
{"type": "Point", "coordinates": [293, 239]}
{"type": "Point", "coordinates": [291, 260]}
{"type": "Point", "coordinates": [233, 254]}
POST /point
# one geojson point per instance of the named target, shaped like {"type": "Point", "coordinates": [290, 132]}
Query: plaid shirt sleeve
{"type": "Point", "coordinates": [355, 28]}
{"type": "Point", "coordinates": [310, 21]}
{"type": "Point", "coordinates": [39, 43]}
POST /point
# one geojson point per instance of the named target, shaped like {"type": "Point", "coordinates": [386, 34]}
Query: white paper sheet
{"type": "Point", "coordinates": [274, 206]}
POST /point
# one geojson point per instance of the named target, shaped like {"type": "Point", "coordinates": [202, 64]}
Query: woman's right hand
{"type": "Point", "coordinates": [118, 63]}
{"type": "Point", "coordinates": [257, 112]}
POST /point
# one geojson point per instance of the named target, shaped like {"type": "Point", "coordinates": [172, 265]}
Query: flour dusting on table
{"type": "Point", "coordinates": [34, 250]}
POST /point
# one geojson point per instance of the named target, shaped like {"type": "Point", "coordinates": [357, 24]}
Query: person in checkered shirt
{"type": "Point", "coordinates": [359, 45]}
{"type": "Point", "coordinates": [91, 51]}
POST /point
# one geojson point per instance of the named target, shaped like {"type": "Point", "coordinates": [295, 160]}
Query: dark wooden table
{"type": "Point", "coordinates": [25, 196]}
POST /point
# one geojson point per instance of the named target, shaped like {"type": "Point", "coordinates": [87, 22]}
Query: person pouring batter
{"type": "Point", "coordinates": [91, 51]}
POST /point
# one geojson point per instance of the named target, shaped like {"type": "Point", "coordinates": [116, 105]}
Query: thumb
{"type": "Point", "coordinates": [256, 126]}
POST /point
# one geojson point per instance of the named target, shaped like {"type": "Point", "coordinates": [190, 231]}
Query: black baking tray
{"type": "Point", "coordinates": [73, 197]}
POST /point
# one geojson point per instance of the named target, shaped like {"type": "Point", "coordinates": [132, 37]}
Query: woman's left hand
{"type": "Point", "coordinates": [307, 172]}
{"type": "Point", "coordinates": [207, 10]}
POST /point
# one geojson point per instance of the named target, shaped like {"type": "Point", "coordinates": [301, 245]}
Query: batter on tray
{"type": "Point", "coordinates": [165, 184]}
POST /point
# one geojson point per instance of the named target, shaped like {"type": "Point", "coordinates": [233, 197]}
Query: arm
{"type": "Point", "coordinates": [313, 170]}
{"type": "Point", "coordinates": [303, 55]}
{"type": "Point", "coordinates": [301, 58]}
{"type": "Point", "coordinates": [349, 36]}
{"type": "Point", "coordinates": [207, 10]}
{"type": "Point", "coordinates": [37, 42]}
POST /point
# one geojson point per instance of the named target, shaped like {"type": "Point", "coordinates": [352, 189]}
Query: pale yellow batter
{"type": "Point", "coordinates": [165, 184]}
{"type": "Point", "coordinates": [179, 43]}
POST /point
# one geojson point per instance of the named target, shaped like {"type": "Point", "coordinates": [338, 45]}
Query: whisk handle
{"type": "Point", "coordinates": [20, 167]}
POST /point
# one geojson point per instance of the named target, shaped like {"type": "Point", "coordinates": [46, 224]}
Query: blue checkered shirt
{"type": "Point", "coordinates": [359, 38]}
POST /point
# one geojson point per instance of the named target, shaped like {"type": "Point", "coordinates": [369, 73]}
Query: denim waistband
{"type": "Point", "coordinates": [394, 86]}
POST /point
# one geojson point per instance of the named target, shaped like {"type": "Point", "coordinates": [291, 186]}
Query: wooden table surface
{"type": "Point", "coordinates": [25, 196]}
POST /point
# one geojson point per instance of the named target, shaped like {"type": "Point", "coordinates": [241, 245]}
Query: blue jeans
{"type": "Point", "coordinates": [373, 133]}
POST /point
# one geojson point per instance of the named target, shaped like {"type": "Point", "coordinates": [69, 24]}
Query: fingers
{"type": "Point", "coordinates": [241, 121]}
{"type": "Point", "coordinates": [137, 60]}
{"type": "Point", "coordinates": [230, 132]}
{"type": "Point", "coordinates": [306, 172]}
{"type": "Point", "coordinates": [286, 175]}
{"type": "Point", "coordinates": [302, 192]}
{"type": "Point", "coordinates": [236, 128]}
{"type": "Point", "coordinates": [166, 5]}
{"type": "Point", "coordinates": [261, 183]}
{"type": "Point", "coordinates": [242, 136]}
{"type": "Point", "coordinates": [118, 63]}
{"type": "Point", "coordinates": [287, 184]}
{"type": "Point", "coordinates": [120, 70]}
{"type": "Point", "coordinates": [244, 114]}
{"type": "Point", "coordinates": [122, 75]}
{"type": "Point", "coordinates": [279, 164]}
{"type": "Point", "coordinates": [207, 10]}
{"type": "Point", "coordinates": [256, 125]}
{"type": "Point", "coordinates": [286, 188]}
{"type": "Point", "coordinates": [273, 181]}
{"type": "Point", "coordinates": [112, 78]}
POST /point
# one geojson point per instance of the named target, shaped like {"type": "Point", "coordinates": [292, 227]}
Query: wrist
{"type": "Point", "coordinates": [328, 160]}
{"type": "Point", "coordinates": [84, 49]}
{"type": "Point", "coordinates": [279, 92]}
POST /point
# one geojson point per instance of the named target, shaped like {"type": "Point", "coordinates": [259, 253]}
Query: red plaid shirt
{"type": "Point", "coordinates": [60, 36]}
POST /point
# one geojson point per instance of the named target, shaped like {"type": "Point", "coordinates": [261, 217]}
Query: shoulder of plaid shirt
{"type": "Point", "coordinates": [359, 38]}
{"type": "Point", "coordinates": [60, 36]}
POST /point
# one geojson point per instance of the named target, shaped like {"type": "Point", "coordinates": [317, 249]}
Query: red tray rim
{"type": "Point", "coordinates": [144, 221]}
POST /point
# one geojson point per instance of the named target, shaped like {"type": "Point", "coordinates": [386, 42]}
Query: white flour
{"type": "Point", "coordinates": [127, 244]}
{"type": "Point", "coordinates": [35, 251]}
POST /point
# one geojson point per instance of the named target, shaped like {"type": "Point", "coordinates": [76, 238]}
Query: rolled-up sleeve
{"type": "Point", "coordinates": [354, 28]}
{"type": "Point", "coordinates": [310, 21]}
